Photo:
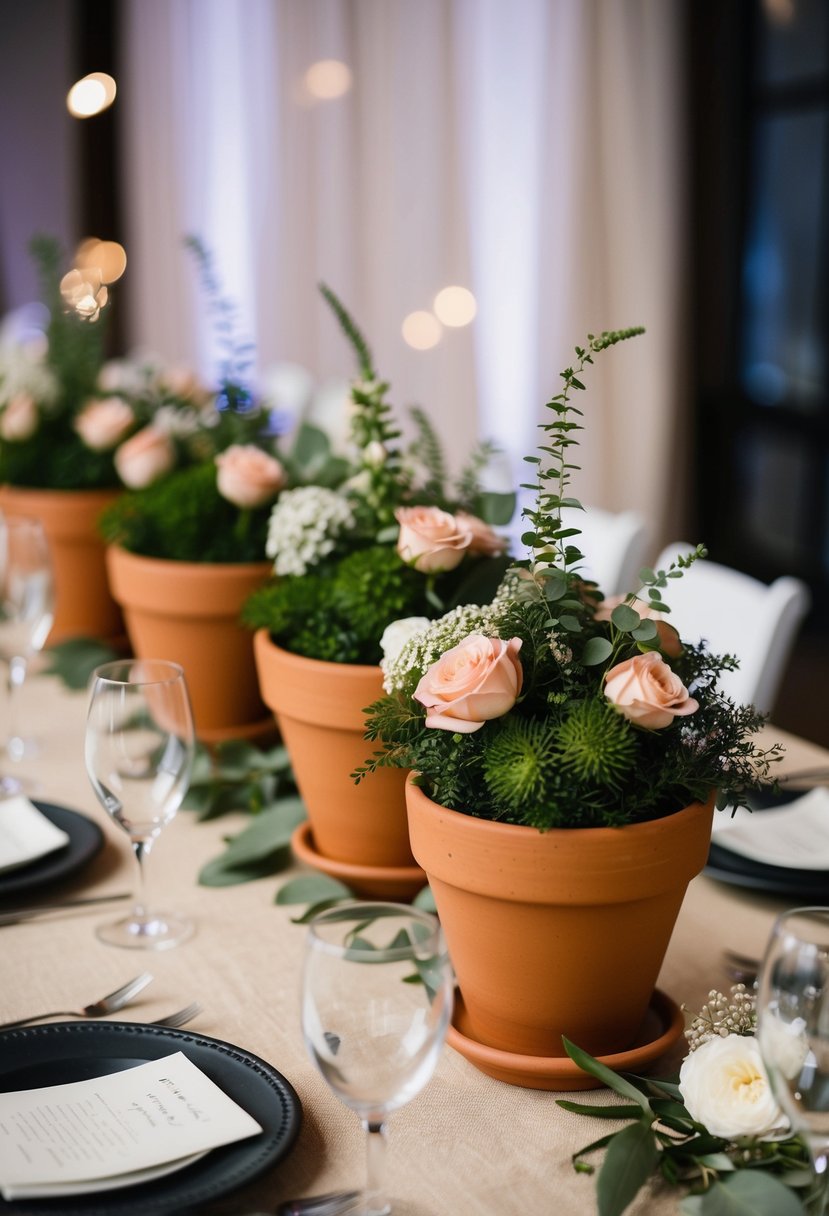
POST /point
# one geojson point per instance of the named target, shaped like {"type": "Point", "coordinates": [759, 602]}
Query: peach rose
{"type": "Point", "coordinates": [431, 540]}
{"type": "Point", "coordinates": [475, 681]}
{"type": "Point", "coordinates": [485, 540]}
{"type": "Point", "coordinates": [19, 420]}
{"type": "Point", "coordinates": [103, 424]}
{"type": "Point", "coordinates": [645, 690]}
{"type": "Point", "coordinates": [247, 476]}
{"type": "Point", "coordinates": [144, 458]}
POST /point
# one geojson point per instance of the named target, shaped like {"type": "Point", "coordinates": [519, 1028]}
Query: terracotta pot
{"type": "Point", "coordinates": [84, 606]}
{"type": "Point", "coordinates": [319, 708]}
{"type": "Point", "coordinates": [560, 932]}
{"type": "Point", "coordinates": [189, 612]}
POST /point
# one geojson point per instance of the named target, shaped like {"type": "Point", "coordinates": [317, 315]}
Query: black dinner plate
{"type": "Point", "coordinates": [86, 839]}
{"type": "Point", "coordinates": [56, 1054]}
{"type": "Point", "coordinates": [725, 865]}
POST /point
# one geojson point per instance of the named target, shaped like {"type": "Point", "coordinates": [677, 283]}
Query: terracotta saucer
{"type": "Point", "coordinates": [250, 732]}
{"type": "Point", "coordinates": [663, 1025]}
{"type": "Point", "coordinates": [370, 882]}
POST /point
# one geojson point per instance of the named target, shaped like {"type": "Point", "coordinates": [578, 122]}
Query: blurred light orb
{"type": "Point", "coordinates": [421, 330]}
{"type": "Point", "coordinates": [455, 306]}
{"type": "Point", "coordinates": [83, 293]}
{"type": "Point", "coordinates": [328, 79]}
{"type": "Point", "coordinates": [107, 257]}
{"type": "Point", "coordinates": [91, 95]}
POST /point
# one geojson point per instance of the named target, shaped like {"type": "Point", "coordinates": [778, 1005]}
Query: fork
{"type": "Point", "coordinates": [107, 1004]}
{"type": "Point", "coordinates": [179, 1018]}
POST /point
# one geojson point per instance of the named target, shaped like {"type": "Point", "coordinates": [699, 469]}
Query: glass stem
{"type": "Point", "coordinates": [141, 849]}
{"type": "Point", "coordinates": [15, 745]}
{"type": "Point", "coordinates": [376, 1203]}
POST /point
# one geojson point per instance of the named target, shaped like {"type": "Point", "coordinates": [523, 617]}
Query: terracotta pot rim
{"type": "Point", "coordinates": [193, 568]}
{"type": "Point", "coordinates": [325, 666]}
{"type": "Point", "coordinates": [518, 831]}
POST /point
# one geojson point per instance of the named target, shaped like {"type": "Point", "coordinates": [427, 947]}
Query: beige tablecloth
{"type": "Point", "coordinates": [467, 1145]}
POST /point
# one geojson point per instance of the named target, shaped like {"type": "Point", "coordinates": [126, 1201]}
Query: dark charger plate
{"type": "Point", "coordinates": [86, 840]}
{"type": "Point", "coordinates": [56, 1054]}
{"type": "Point", "coordinates": [724, 865]}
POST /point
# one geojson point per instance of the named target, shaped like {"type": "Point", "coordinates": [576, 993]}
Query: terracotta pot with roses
{"type": "Point", "coordinates": [389, 545]}
{"type": "Point", "coordinates": [565, 757]}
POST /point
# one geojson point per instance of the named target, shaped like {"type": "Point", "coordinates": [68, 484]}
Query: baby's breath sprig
{"type": "Point", "coordinates": [723, 1015]}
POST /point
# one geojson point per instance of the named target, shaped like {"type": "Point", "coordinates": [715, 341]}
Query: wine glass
{"type": "Point", "coordinates": [377, 995]}
{"type": "Point", "coordinates": [27, 610]}
{"type": "Point", "coordinates": [139, 750]}
{"type": "Point", "coordinates": [793, 1027]}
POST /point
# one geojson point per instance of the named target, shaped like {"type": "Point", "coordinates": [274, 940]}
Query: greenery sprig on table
{"type": "Point", "coordinates": [551, 708]}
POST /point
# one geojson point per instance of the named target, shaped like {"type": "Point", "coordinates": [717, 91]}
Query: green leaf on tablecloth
{"type": "Point", "coordinates": [311, 888]}
{"type": "Point", "coordinates": [313, 910]}
{"type": "Point", "coordinates": [268, 832]}
{"type": "Point", "coordinates": [749, 1193]}
{"type": "Point", "coordinates": [601, 1112]}
{"type": "Point", "coordinates": [237, 776]}
{"type": "Point", "coordinates": [630, 1160]}
{"type": "Point", "coordinates": [74, 660]}
{"type": "Point", "coordinates": [425, 900]}
{"type": "Point", "coordinates": [217, 873]}
{"type": "Point", "coordinates": [604, 1074]}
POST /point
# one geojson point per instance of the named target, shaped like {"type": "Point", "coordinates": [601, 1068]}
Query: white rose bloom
{"type": "Point", "coordinates": [724, 1086]}
{"type": "Point", "coordinates": [375, 455]}
{"type": "Point", "coordinates": [785, 1043]}
{"type": "Point", "coordinates": [397, 634]}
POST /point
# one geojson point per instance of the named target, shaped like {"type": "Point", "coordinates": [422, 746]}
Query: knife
{"type": "Point", "coordinates": [14, 915]}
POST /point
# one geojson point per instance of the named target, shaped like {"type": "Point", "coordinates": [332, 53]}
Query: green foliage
{"type": "Point", "coordinates": [519, 757]}
{"type": "Point", "coordinates": [594, 745]}
{"type": "Point", "coordinates": [183, 517]}
{"type": "Point", "coordinates": [74, 660]}
{"type": "Point", "coordinates": [726, 1178]}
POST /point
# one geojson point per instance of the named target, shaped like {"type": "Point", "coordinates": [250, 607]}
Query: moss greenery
{"type": "Point", "coordinates": [559, 751]}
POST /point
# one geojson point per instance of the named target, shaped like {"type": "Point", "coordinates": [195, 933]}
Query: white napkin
{"type": "Point", "coordinates": [25, 834]}
{"type": "Point", "coordinates": [795, 835]}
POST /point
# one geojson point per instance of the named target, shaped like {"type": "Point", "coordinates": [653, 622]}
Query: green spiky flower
{"type": "Point", "coordinates": [518, 761]}
{"type": "Point", "coordinates": [595, 744]}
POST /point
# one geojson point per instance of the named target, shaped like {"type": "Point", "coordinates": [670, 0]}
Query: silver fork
{"type": "Point", "coordinates": [181, 1017]}
{"type": "Point", "coordinates": [107, 1004]}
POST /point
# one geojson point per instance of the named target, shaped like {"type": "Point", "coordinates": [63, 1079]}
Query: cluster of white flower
{"type": "Point", "coordinates": [22, 370]}
{"type": "Point", "coordinates": [426, 646]}
{"type": "Point", "coordinates": [304, 527]}
{"type": "Point", "coordinates": [723, 1015]}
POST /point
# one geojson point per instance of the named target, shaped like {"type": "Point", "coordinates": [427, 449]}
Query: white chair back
{"type": "Point", "coordinates": [738, 615]}
{"type": "Point", "coordinates": [615, 546]}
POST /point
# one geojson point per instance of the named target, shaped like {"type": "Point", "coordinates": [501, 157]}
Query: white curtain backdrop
{"type": "Point", "coordinates": [531, 151]}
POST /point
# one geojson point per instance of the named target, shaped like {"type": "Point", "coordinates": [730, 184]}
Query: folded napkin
{"type": "Point", "coordinates": [26, 834]}
{"type": "Point", "coordinates": [795, 835]}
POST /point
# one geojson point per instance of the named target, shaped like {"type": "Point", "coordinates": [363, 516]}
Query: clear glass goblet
{"type": "Point", "coordinates": [139, 749]}
{"type": "Point", "coordinates": [27, 611]}
{"type": "Point", "coordinates": [793, 1028]}
{"type": "Point", "coordinates": [377, 994]}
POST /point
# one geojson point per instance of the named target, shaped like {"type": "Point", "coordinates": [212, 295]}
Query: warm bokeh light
{"type": "Point", "coordinates": [91, 95]}
{"type": "Point", "coordinates": [107, 257]}
{"type": "Point", "coordinates": [84, 293]}
{"type": "Point", "coordinates": [455, 306]}
{"type": "Point", "coordinates": [328, 79]}
{"type": "Point", "coordinates": [421, 330]}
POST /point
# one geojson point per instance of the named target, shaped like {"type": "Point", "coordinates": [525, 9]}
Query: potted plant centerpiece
{"type": "Point", "coordinates": [61, 425]}
{"type": "Point", "coordinates": [185, 545]}
{"type": "Point", "coordinates": [565, 756]}
{"type": "Point", "coordinates": [393, 542]}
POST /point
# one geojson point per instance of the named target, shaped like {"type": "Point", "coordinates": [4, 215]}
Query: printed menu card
{"type": "Point", "coordinates": [115, 1130]}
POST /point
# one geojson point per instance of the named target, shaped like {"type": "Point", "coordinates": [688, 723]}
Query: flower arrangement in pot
{"type": "Point", "coordinates": [397, 542]}
{"type": "Point", "coordinates": [186, 541]}
{"type": "Point", "coordinates": [566, 755]}
{"type": "Point", "coordinates": [62, 426]}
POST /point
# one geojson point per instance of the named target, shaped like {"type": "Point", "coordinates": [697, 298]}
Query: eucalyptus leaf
{"type": "Point", "coordinates": [646, 631]}
{"type": "Point", "coordinates": [322, 905]}
{"type": "Point", "coordinates": [630, 1160]}
{"type": "Point", "coordinates": [268, 832]}
{"type": "Point", "coordinates": [625, 618]}
{"type": "Point", "coordinates": [425, 900]}
{"type": "Point", "coordinates": [750, 1193]}
{"type": "Point", "coordinates": [596, 651]}
{"type": "Point", "coordinates": [606, 1075]}
{"type": "Point", "coordinates": [691, 1205]}
{"type": "Point", "coordinates": [311, 888]}
{"type": "Point", "coordinates": [496, 509]}
{"type": "Point", "coordinates": [74, 660]}
{"type": "Point", "coordinates": [217, 873]}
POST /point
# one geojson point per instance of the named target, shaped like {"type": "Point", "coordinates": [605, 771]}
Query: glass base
{"type": "Point", "coordinates": [157, 932]}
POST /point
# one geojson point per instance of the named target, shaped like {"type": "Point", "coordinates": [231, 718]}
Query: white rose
{"type": "Point", "coordinates": [724, 1086]}
{"type": "Point", "coordinates": [784, 1044]}
{"type": "Point", "coordinates": [396, 635]}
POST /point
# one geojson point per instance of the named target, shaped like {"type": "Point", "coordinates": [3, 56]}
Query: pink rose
{"type": "Point", "coordinates": [103, 424]}
{"type": "Point", "coordinates": [19, 420]}
{"type": "Point", "coordinates": [647, 692]}
{"type": "Point", "coordinates": [485, 540]}
{"type": "Point", "coordinates": [247, 476]}
{"type": "Point", "coordinates": [475, 681]}
{"type": "Point", "coordinates": [431, 540]}
{"type": "Point", "coordinates": [144, 458]}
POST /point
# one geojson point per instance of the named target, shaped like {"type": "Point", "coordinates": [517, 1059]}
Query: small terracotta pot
{"type": "Point", "coordinates": [84, 606]}
{"type": "Point", "coordinates": [189, 612]}
{"type": "Point", "coordinates": [319, 708]}
{"type": "Point", "coordinates": [560, 932]}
